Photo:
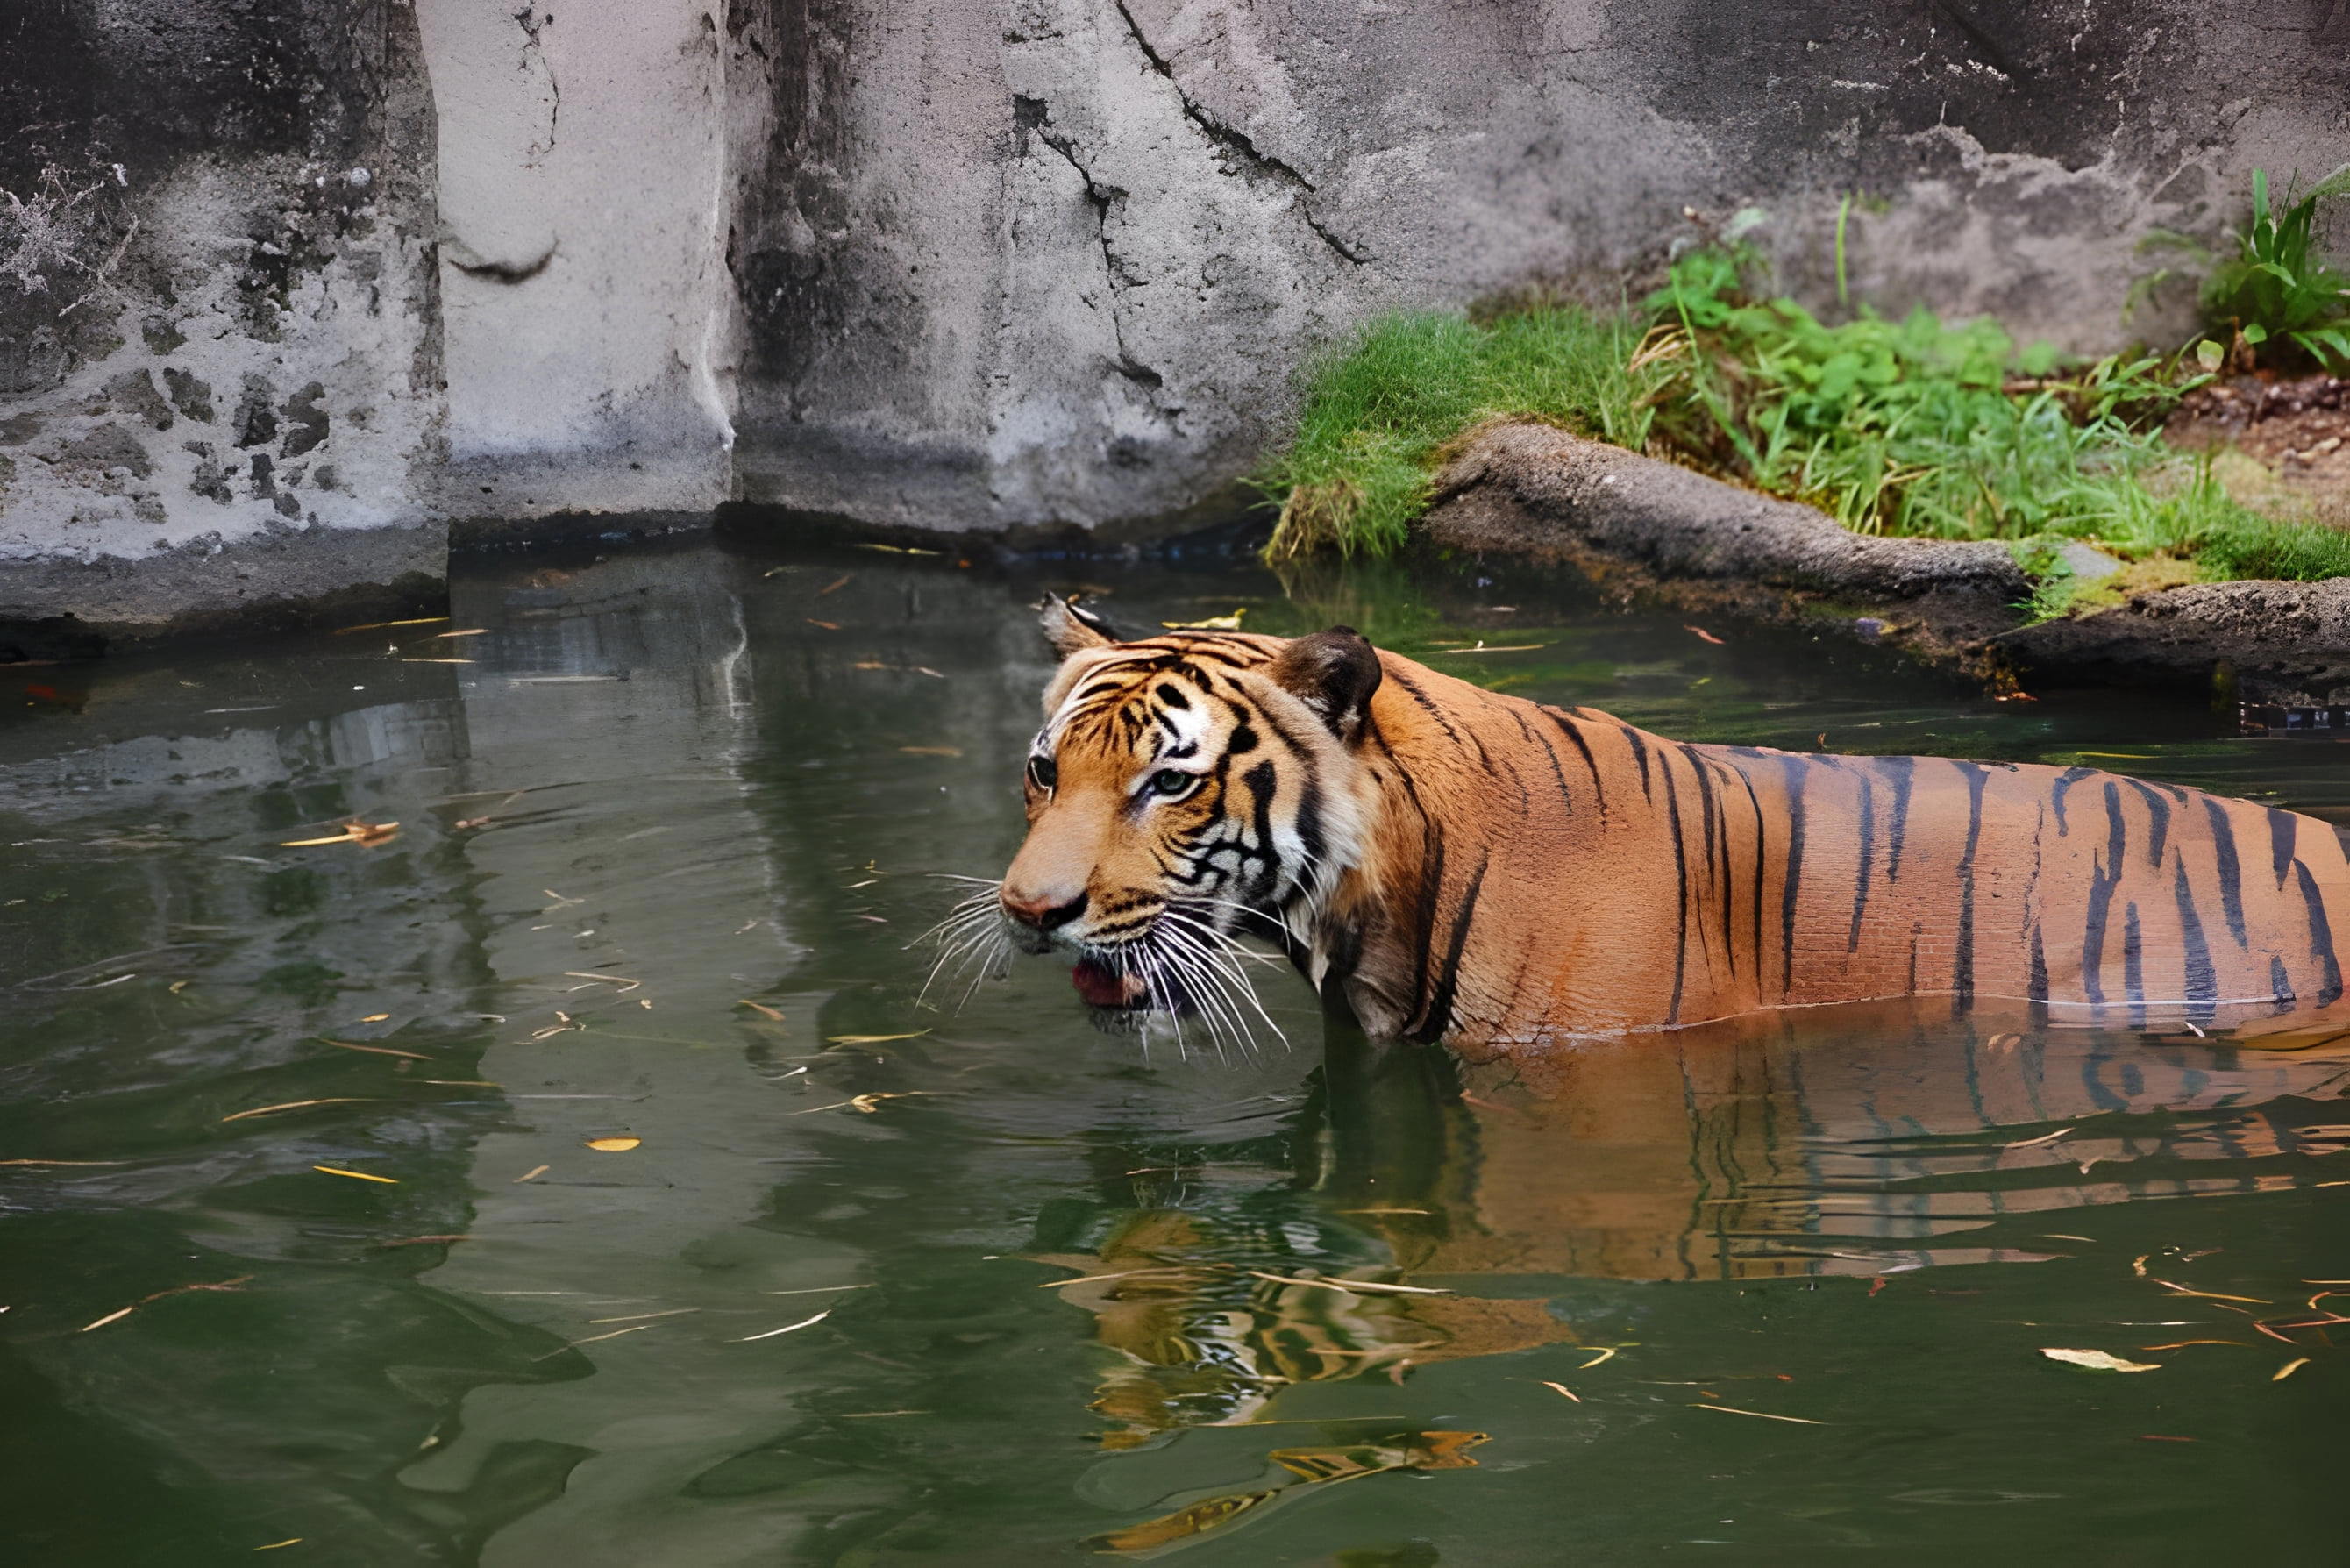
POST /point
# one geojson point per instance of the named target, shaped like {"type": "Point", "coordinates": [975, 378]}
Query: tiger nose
{"type": "Point", "coordinates": [1043, 911]}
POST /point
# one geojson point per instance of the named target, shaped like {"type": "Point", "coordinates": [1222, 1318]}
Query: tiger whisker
{"type": "Point", "coordinates": [1214, 973]}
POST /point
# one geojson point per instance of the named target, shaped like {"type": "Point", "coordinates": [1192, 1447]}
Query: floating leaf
{"type": "Point", "coordinates": [873, 1039]}
{"type": "Point", "coordinates": [111, 1318]}
{"type": "Point", "coordinates": [1213, 623]}
{"type": "Point", "coordinates": [2098, 1361]}
{"type": "Point", "coordinates": [773, 1015]}
{"type": "Point", "coordinates": [787, 1328]}
{"type": "Point", "coordinates": [1562, 1388]}
{"type": "Point", "coordinates": [2288, 1369]}
{"type": "Point", "coordinates": [613, 1145]}
{"type": "Point", "coordinates": [1706, 636]}
{"type": "Point", "coordinates": [357, 1175]}
{"type": "Point", "coordinates": [533, 1174]}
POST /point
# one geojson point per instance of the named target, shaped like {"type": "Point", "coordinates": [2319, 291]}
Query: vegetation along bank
{"type": "Point", "coordinates": [2136, 517]}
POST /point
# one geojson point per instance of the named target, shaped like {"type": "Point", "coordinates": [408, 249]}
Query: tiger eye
{"type": "Point", "coordinates": [1170, 781]}
{"type": "Point", "coordinates": [1042, 772]}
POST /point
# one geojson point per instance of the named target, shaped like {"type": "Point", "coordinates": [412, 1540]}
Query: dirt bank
{"type": "Point", "coordinates": [1655, 531]}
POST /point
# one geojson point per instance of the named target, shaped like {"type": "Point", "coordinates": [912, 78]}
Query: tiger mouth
{"type": "Point", "coordinates": [1104, 986]}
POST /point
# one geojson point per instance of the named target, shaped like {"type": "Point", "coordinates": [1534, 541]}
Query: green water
{"type": "Point", "coordinates": [666, 786]}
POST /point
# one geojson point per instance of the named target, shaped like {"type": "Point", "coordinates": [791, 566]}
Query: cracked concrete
{"type": "Point", "coordinates": [954, 254]}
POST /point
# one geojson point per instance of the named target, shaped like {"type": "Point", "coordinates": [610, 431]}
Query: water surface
{"type": "Point", "coordinates": [666, 825]}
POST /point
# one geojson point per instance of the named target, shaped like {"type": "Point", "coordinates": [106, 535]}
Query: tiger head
{"type": "Point", "coordinates": [1185, 789]}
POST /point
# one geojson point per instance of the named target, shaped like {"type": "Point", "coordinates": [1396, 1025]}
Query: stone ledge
{"type": "Point", "coordinates": [1650, 528]}
{"type": "Point", "coordinates": [295, 577]}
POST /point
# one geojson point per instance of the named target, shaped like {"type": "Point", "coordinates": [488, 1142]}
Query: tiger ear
{"type": "Point", "coordinates": [1334, 672]}
{"type": "Point", "coordinates": [1070, 628]}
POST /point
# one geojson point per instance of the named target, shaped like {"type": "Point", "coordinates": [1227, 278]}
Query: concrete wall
{"type": "Point", "coordinates": [218, 334]}
{"type": "Point", "coordinates": [1018, 266]}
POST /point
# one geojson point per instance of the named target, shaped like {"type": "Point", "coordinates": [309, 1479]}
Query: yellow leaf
{"type": "Point", "coordinates": [357, 1175]}
{"type": "Point", "coordinates": [872, 1039]}
{"type": "Point", "coordinates": [532, 1175]}
{"type": "Point", "coordinates": [2288, 1369]}
{"type": "Point", "coordinates": [1213, 623]}
{"type": "Point", "coordinates": [763, 1009]}
{"type": "Point", "coordinates": [109, 1317]}
{"type": "Point", "coordinates": [1562, 1388]}
{"type": "Point", "coordinates": [613, 1145]}
{"type": "Point", "coordinates": [2098, 1361]}
{"type": "Point", "coordinates": [375, 1018]}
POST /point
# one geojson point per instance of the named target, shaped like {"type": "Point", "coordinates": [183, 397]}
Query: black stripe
{"type": "Point", "coordinates": [1794, 769]}
{"type": "Point", "coordinates": [1556, 773]}
{"type": "Point", "coordinates": [2037, 985]}
{"type": "Point", "coordinates": [2282, 826]}
{"type": "Point", "coordinates": [2102, 884]}
{"type": "Point", "coordinates": [2202, 984]}
{"type": "Point", "coordinates": [1438, 1015]}
{"type": "Point", "coordinates": [2158, 810]}
{"type": "Point", "coordinates": [1868, 854]}
{"type": "Point", "coordinates": [1680, 881]}
{"type": "Point", "coordinates": [1422, 698]}
{"type": "Point", "coordinates": [1761, 847]}
{"type": "Point", "coordinates": [1716, 870]}
{"type": "Point", "coordinates": [1903, 772]}
{"type": "Point", "coordinates": [1640, 756]}
{"type": "Point", "coordinates": [2232, 872]}
{"type": "Point", "coordinates": [1172, 696]}
{"type": "Point", "coordinates": [2320, 939]}
{"type": "Point", "coordinates": [2065, 781]}
{"type": "Point", "coordinates": [1962, 973]}
{"type": "Point", "coordinates": [1568, 728]}
{"type": "Point", "coordinates": [2280, 984]}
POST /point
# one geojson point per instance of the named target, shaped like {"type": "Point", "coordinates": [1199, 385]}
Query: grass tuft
{"type": "Point", "coordinates": [1380, 408]}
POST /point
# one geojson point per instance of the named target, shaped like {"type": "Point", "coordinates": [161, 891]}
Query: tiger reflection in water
{"type": "Point", "coordinates": [1855, 1141]}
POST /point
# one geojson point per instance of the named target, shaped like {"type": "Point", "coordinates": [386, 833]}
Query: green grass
{"type": "Point", "coordinates": [1379, 410]}
{"type": "Point", "coordinates": [1914, 428]}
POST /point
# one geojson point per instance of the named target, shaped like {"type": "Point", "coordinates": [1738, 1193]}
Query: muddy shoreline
{"type": "Point", "coordinates": [1653, 532]}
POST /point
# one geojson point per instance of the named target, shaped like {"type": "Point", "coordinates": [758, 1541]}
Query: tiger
{"type": "Point", "coordinates": [1456, 864]}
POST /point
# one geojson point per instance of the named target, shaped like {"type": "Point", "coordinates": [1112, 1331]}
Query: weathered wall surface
{"type": "Point", "coordinates": [303, 279]}
{"type": "Point", "coordinates": [218, 330]}
{"type": "Point", "coordinates": [1055, 260]}
{"type": "Point", "coordinates": [587, 314]}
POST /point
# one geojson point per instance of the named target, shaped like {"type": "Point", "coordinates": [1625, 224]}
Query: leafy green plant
{"type": "Point", "coordinates": [2273, 290]}
{"type": "Point", "coordinates": [1906, 427]}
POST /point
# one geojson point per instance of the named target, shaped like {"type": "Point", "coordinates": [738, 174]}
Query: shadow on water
{"type": "Point", "coordinates": [860, 1281]}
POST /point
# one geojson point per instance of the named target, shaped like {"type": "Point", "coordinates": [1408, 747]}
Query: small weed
{"type": "Point", "coordinates": [2272, 291]}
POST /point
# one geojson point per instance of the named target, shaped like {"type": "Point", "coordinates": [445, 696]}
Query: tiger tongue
{"type": "Point", "coordinates": [1103, 987]}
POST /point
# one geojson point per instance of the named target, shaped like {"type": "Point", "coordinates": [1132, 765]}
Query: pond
{"type": "Point", "coordinates": [578, 1174]}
